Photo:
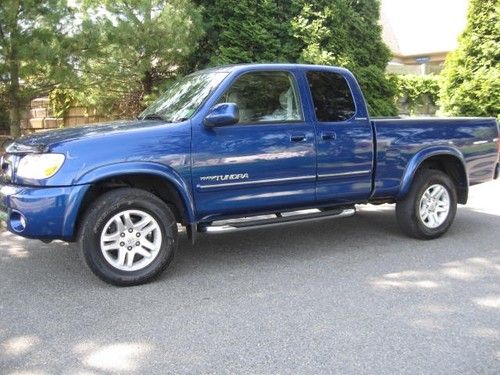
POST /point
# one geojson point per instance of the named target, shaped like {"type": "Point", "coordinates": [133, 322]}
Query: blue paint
{"type": "Point", "coordinates": [50, 211]}
{"type": "Point", "coordinates": [222, 114]}
{"type": "Point", "coordinates": [223, 171]}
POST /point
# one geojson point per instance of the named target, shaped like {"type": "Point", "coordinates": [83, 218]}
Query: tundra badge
{"type": "Point", "coordinates": [225, 177]}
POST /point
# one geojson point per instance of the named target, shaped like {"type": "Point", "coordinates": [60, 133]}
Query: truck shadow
{"type": "Point", "coordinates": [371, 230]}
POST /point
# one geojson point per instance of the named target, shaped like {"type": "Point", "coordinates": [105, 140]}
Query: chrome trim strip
{"type": "Point", "coordinates": [257, 182]}
{"type": "Point", "coordinates": [361, 118]}
{"type": "Point", "coordinates": [226, 228]}
{"type": "Point", "coordinates": [480, 142]}
{"type": "Point", "coordinates": [344, 174]}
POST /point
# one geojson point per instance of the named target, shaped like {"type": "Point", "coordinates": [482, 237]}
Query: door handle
{"type": "Point", "coordinates": [328, 136]}
{"type": "Point", "coordinates": [298, 137]}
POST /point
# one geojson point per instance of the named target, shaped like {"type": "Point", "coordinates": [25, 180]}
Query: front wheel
{"type": "Point", "coordinates": [128, 236]}
{"type": "Point", "coordinates": [430, 206]}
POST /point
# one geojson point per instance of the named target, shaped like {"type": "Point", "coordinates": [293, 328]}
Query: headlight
{"type": "Point", "coordinates": [39, 166]}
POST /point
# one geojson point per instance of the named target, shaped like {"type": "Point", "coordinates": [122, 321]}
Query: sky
{"type": "Point", "coordinates": [423, 26]}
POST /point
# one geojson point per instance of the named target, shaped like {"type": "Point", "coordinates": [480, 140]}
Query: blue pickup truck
{"type": "Point", "coordinates": [238, 147]}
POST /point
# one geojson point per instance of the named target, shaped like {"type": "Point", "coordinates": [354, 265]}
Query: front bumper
{"type": "Point", "coordinates": [41, 212]}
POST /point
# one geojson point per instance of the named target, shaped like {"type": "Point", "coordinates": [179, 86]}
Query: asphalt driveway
{"type": "Point", "coordinates": [351, 296]}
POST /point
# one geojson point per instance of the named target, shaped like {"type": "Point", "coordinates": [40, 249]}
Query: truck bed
{"type": "Point", "coordinates": [398, 140]}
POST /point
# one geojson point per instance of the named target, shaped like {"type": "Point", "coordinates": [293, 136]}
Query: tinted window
{"type": "Point", "coordinates": [331, 95]}
{"type": "Point", "coordinates": [264, 97]}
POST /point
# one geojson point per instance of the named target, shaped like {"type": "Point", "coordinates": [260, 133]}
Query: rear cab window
{"type": "Point", "coordinates": [265, 97]}
{"type": "Point", "coordinates": [332, 97]}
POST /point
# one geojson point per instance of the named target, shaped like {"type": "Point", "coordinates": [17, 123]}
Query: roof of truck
{"type": "Point", "coordinates": [271, 66]}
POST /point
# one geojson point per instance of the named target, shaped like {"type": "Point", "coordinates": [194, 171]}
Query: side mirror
{"type": "Point", "coordinates": [222, 114]}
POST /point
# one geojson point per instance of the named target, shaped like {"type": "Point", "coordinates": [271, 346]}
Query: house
{"type": "Point", "coordinates": [421, 33]}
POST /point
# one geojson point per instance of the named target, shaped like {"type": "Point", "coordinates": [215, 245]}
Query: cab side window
{"type": "Point", "coordinates": [332, 97]}
{"type": "Point", "coordinates": [264, 97]}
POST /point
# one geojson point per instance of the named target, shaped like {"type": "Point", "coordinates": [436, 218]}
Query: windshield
{"type": "Point", "coordinates": [184, 97]}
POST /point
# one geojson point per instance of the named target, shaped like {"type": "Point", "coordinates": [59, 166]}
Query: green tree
{"type": "Point", "coordinates": [471, 77]}
{"type": "Point", "coordinates": [332, 32]}
{"type": "Point", "coordinates": [131, 47]}
{"type": "Point", "coordinates": [346, 33]}
{"type": "Point", "coordinates": [247, 31]}
{"type": "Point", "coordinates": [33, 45]}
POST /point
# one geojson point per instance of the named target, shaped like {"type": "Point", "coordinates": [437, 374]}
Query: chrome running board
{"type": "Point", "coordinates": [280, 218]}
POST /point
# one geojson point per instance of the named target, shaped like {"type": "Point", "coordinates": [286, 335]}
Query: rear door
{"type": "Point", "coordinates": [267, 160]}
{"type": "Point", "coordinates": [344, 142]}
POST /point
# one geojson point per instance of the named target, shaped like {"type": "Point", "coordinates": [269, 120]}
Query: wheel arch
{"type": "Point", "coordinates": [164, 182]}
{"type": "Point", "coordinates": [446, 159]}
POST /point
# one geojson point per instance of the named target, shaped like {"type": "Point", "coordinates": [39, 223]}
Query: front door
{"type": "Point", "coordinates": [344, 141]}
{"type": "Point", "coordinates": [265, 161]}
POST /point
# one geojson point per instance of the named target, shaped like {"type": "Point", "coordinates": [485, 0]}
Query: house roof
{"type": "Point", "coordinates": [412, 28]}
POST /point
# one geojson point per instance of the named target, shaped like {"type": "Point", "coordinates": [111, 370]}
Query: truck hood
{"type": "Point", "coordinates": [43, 141]}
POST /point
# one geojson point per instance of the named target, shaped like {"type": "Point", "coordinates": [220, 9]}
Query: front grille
{"type": "Point", "coordinates": [6, 169]}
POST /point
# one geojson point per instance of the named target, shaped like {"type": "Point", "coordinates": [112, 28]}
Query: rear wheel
{"type": "Point", "coordinates": [128, 236]}
{"type": "Point", "coordinates": [430, 206]}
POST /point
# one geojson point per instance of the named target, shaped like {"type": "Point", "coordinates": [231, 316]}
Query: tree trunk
{"type": "Point", "coordinates": [147, 82]}
{"type": "Point", "coordinates": [14, 98]}
{"type": "Point", "coordinates": [15, 103]}
{"type": "Point", "coordinates": [147, 78]}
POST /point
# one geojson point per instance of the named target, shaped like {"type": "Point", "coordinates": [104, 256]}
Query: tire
{"type": "Point", "coordinates": [417, 217]}
{"type": "Point", "coordinates": [136, 223]}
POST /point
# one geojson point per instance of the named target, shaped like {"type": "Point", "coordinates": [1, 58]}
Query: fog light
{"type": "Point", "coordinates": [17, 221]}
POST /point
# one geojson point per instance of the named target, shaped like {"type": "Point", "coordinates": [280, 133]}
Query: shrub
{"type": "Point", "coordinates": [471, 77]}
{"type": "Point", "coordinates": [415, 93]}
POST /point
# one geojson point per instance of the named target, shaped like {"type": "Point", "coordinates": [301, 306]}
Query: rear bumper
{"type": "Point", "coordinates": [41, 212]}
